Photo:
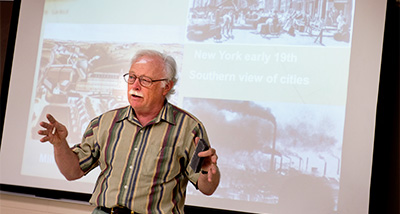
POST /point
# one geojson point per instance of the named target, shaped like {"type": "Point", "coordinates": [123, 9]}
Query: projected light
{"type": "Point", "coordinates": [269, 79]}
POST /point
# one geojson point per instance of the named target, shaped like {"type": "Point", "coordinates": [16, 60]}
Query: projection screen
{"type": "Point", "coordinates": [287, 90]}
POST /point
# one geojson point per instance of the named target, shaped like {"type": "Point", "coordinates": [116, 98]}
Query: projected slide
{"type": "Point", "coordinates": [268, 79]}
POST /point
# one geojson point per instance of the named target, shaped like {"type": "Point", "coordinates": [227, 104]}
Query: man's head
{"type": "Point", "coordinates": [151, 79]}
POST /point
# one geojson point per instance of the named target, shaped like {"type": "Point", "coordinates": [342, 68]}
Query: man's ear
{"type": "Point", "coordinates": [168, 86]}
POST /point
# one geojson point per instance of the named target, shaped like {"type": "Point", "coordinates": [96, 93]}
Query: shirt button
{"type": "Point", "coordinates": [131, 167]}
{"type": "Point", "coordinates": [126, 187]}
{"type": "Point", "coordinates": [135, 149]}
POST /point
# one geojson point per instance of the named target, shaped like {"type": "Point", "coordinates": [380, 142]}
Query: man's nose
{"type": "Point", "coordinates": [136, 83]}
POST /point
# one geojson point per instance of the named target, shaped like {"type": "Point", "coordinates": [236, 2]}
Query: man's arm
{"type": "Point", "coordinates": [67, 161]}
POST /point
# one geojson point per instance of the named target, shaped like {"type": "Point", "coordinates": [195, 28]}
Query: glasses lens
{"type": "Point", "coordinates": [129, 78]}
{"type": "Point", "coordinates": [145, 81]}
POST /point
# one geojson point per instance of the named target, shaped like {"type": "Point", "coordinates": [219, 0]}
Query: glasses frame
{"type": "Point", "coordinates": [148, 81]}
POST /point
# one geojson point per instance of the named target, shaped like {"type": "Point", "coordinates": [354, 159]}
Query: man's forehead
{"type": "Point", "coordinates": [143, 60]}
{"type": "Point", "coordinates": [147, 59]}
{"type": "Point", "coordinates": [147, 62]}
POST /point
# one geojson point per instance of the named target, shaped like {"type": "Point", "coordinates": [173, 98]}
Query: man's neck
{"type": "Point", "coordinates": [145, 117]}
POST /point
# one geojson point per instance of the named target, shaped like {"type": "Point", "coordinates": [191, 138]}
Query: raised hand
{"type": "Point", "coordinates": [54, 132]}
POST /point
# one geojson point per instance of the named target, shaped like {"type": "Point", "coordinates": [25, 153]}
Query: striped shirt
{"type": "Point", "coordinates": [143, 168]}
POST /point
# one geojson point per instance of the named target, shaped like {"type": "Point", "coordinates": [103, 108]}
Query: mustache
{"type": "Point", "coordinates": [135, 93]}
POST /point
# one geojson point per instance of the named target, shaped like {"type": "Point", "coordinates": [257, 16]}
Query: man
{"type": "Point", "coordinates": [143, 150]}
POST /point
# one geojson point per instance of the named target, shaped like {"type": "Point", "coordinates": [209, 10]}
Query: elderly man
{"type": "Point", "coordinates": [143, 149]}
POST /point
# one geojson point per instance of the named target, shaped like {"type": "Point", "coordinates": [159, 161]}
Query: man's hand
{"type": "Point", "coordinates": [209, 183]}
{"type": "Point", "coordinates": [54, 132]}
{"type": "Point", "coordinates": [210, 161]}
{"type": "Point", "coordinates": [67, 161]}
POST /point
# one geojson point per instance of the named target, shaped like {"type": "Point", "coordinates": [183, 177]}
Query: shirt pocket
{"type": "Point", "coordinates": [159, 161]}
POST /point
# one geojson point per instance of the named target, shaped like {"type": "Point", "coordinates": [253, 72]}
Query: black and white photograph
{"type": "Point", "coordinates": [276, 22]}
{"type": "Point", "coordinates": [294, 147]}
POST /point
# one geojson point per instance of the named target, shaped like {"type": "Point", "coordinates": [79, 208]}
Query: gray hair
{"type": "Point", "coordinates": [170, 67]}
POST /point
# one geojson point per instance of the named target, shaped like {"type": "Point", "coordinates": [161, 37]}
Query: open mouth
{"type": "Point", "coordinates": [136, 96]}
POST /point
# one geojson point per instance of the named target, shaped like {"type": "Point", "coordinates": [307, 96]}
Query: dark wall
{"type": "Point", "coordinates": [5, 19]}
{"type": "Point", "coordinates": [385, 187]}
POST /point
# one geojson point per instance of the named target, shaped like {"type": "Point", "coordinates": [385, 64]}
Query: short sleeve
{"type": "Point", "coordinates": [88, 151]}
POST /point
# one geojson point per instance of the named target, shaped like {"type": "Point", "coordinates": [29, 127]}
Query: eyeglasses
{"type": "Point", "coordinates": [143, 80]}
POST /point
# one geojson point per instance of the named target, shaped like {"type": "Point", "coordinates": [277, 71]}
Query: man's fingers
{"type": "Point", "coordinates": [42, 132]}
{"type": "Point", "coordinates": [214, 158]}
{"type": "Point", "coordinates": [50, 129]}
{"type": "Point", "coordinates": [46, 125]}
{"type": "Point", "coordinates": [196, 140]}
{"type": "Point", "coordinates": [44, 139]}
{"type": "Point", "coordinates": [212, 171]}
{"type": "Point", "coordinates": [209, 152]}
{"type": "Point", "coordinates": [51, 118]}
{"type": "Point", "coordinates": [53, 124]}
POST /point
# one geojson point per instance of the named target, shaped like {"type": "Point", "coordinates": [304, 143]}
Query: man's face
{"type": "Point", "coordinates": [147, 99]}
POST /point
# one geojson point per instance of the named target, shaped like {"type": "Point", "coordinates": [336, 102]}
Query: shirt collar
{"type": "Point", "coordinates": [166, 114]}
